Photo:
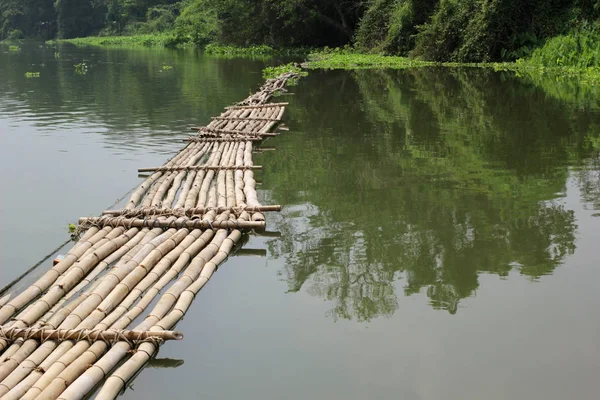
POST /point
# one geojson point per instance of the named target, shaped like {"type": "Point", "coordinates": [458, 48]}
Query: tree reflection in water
{"type": "Point", "coordinates": [429, 177]}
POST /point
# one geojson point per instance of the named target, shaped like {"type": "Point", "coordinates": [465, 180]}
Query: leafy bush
{"type": "Point", "coordinates": [198, 23]}
{"type": "Point", "coordinates": [486, 30]}
{"type": "Point", "coordinates": [389, 26]}
{"type": "Point", "coordinates": [15, 34]}
{"type": "Point", "coordinates": [580, 48]}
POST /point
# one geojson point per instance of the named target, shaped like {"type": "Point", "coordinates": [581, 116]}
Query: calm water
{"type": "Point", "coordinates": [439, 240]}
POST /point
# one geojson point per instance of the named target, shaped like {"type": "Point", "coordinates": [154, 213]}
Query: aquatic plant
{"type": "Point", "coordinates": [14, 49]}
{"type": "Point", "coordinates": [81, 68]}
{"type": "Point", "coordinates": [166, 67]}
{"type": "Point", "coordinates": [274, 72]}
{"type": "Point", "coordinates": [56, 55]}
{"type": "Point", "coordinates": [236, 50]}
{"type": "Point", "coordinates": [32, 74]}
{"type": "Point", "coordinates": [153, 40]}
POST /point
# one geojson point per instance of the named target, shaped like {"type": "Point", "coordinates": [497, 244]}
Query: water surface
{"type": "Point", "coordinates": [439, 237]}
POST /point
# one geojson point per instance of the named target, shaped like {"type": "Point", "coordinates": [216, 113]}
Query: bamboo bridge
{"type": "Point", "coordinates": [69, 332]}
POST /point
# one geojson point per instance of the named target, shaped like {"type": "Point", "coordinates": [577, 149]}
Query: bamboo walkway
{"type": "Point", "coordinates": [66, 334]}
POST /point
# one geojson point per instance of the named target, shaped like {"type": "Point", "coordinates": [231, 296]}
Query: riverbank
{"type": "Point", "coordinates": [569, 56]}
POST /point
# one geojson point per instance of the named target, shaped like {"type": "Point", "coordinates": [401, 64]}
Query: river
{"type": "Point", "coordinates": [439, 237]}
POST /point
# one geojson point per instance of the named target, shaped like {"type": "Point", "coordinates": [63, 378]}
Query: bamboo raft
{"type": "Point", "coordinates": [69, 332]}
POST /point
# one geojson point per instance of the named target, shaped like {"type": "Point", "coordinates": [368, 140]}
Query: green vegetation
{"type": "Point", "coordinates": [32, 74]}
{"type": "Point", "coordinates": [254, 51]}
{"type": "Point", "coordinates": [238, 50]}
{"type": "Point", "coordinates": [552, 32]}
{"type": "Point", "coordinates": [81, 68]}
{"type": "Point", "coordinates": [468, 30]}
{"type": "Point", "coordinates": [585, 74]}
{"type": "Point", "coordinates": [580, 48]}
{"type": "Point", "coordinates": [148, 40]}
{"type": "Point", "coordinates": [349, 59]}
{"type": "Point", "coordinates": [274, 72]}
{"type": "Point", "coordinates": [14, 49]}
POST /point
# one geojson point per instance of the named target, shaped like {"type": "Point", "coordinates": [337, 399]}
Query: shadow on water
{"type": "Point", "coordinates": [430, 178]}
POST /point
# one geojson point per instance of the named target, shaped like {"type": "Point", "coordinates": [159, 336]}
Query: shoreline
{"type": "Point", "coordinates": [328, 59]}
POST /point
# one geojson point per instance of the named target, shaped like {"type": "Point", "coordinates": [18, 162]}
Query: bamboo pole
{"type": "Point", "coordinates": [77, 318]}
{"type": "Point", "coordinates": [115, 382]}
{"type": "Point", "coordinates": [78, 364]}
{"type": "Point", "coordinates": [140, 212]}
{"type": "Point", "coordinates": [5, 299]}
{"type": "Point", "coordinates": [197, 168]}
{"type": "Point", "coordinates": [204, 131]}
{"type": "Point", "coordinates": [257, 106]}
{"type": "Point", "coordinates": [73, 371]}
{"type": "Point", "coordinates": [93, 375]}
{"type": "Point", "coordinates": [69, 353]}
{"type": "Point", "coordinates": [90, 335]}
{"type": "Point", "coordinates": [242, 119]}
{"type": "Point", "coordinates": [223, 139]}
{"type": "Point", "coordinates": [185, 223]}
{"type": "Point", "coordinates": [92, 236]}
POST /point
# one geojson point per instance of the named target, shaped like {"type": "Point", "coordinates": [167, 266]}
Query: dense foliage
{"type": "Point", "coordinates": [438, 30]}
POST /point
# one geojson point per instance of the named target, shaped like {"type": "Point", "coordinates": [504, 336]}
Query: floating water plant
{"type": "Point", "coordinates": [32, 74]}
{"type": "Point", "coordinates": [81, 68]}
{"type": "Point", "coordinates": [56, 55]}
{"type": "Point", "coordinates": [166, 67]}
{"type": "Point", "coordinates": [14, 49]}
{"type": "Point", "coordinates": [273, 72]}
